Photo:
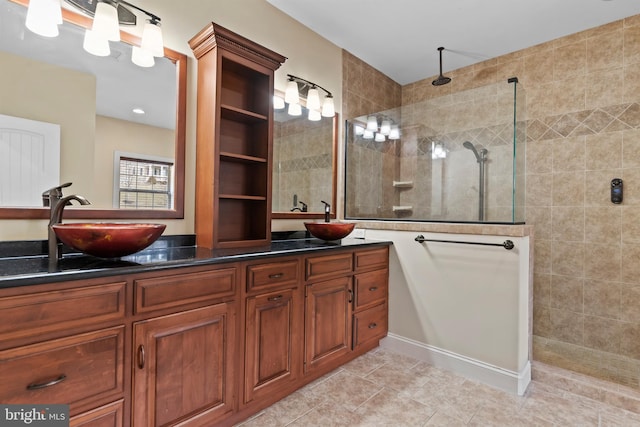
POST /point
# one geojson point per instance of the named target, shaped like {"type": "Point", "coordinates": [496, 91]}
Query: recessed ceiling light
{"type": "Point", "coordinates": [138, 110]}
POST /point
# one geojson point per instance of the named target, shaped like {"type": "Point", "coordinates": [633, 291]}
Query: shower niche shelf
{"type": "Point", "coordinates": [402, 208]}
{"type": "Point", "coordinates": [403, 184]}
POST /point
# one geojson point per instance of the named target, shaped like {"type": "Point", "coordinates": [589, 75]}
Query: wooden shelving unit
{"type": "Point", "coordinates": [234, 139]}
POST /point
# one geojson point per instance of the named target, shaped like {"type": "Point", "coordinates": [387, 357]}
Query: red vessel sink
{"type": "Point", "coordinates": [108, 240]}
{"type": "Point", "coordinates": [329, 230]}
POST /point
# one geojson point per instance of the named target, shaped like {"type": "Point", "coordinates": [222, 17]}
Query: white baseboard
{"type": "Point", "coordinates": [509, 381]}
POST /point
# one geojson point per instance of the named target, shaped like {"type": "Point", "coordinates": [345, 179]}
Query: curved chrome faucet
{"type": "Point", "coordinates": [57, 204]}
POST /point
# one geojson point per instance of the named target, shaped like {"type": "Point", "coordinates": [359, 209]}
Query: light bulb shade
{"type": "Point", "coordinates": [359, 130]}
{"type": "Point", "coordinates": [152, 38]}
{"type": "Point", "coordinates": [368, 134]}
{"type": "Point", "coordinates": [278, 102]}
{"type": "Point", "coordinates": [372, 123]}
{"type": "Point", "coordinates": [105, 21]}
{"type": "Point", "coordinates": [328, 108]}
{"type": "Point", "coordinates": [294, 110]}
{"type": "Point", "coordinates": [394, 132]}
{"type": "Point", "coordinates": [291, 95]}
{"type": "Point", "coordinates": [142, 57]}
{"type": "Point", "coordinates": [313, 99]}
{"type": "Point", "coordinates": [385, 127]}
{"type": "Point", "coordinates": [314, 115]}
{"type": "Point", "coordinates": [379, 137]}
{"type": "Point", "coordinates": [43, 17]}
{"type": "Point", "coordinates": [95, 45]}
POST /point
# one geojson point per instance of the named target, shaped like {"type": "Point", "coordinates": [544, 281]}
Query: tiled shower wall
{"type": "Point", "coordinates": [583, 129]}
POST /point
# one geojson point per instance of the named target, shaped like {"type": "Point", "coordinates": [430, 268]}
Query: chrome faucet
{"type": "Point", "coordinates": [54, 199]}
{"type": "Point", "coordinates": [304, 207]}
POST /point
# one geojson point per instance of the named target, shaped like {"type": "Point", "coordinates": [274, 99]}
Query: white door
{"type": "Point", "coordinates": [29, 160]}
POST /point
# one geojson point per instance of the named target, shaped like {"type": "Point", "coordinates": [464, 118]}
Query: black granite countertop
{"type": "Point", "coordinates": [24, 263]}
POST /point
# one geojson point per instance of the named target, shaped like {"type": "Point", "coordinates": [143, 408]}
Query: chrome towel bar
{"type": "Point", "coordinates": [507, 244]}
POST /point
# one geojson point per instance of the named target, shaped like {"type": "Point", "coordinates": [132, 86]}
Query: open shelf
{"type": "Point", "coordinates": [234, 139]}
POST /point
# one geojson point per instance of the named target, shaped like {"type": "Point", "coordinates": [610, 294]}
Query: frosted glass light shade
{"type": "Point", "coordinates": [385, 127]}
{"type": "Point", "coordinates": [379, 137]}
{"type": "Point", "coordinates": [95, 45]}
{"type": "Point", "coordinates": [43, 17]}
{"type": "Point", "coordinates": [368, 134]}
{"type": "Point", "coordinates": [372, 123]}
{"type": "Point", "coordinates": [314, 115]}
{"type": "Point", "coordinates": [105, 21]}
{"type": "Point", "coordinates": [359, 130]}
{"type": "Point", "coordinates": [152, 38]}
{"type": "Point", "coordinates": [313, 99]}
{"type": "Point", "coordinates": [394, 133]}
{"type": "Point", "coordinates": [291, 95]}
{"type": "Point", "coordinates": [142, 57]}
{"type": "Point", "coordinates": [294, 110]}
{"type": "Point", "coordinates": [278, 102]}
{"type": "Point", "coordinates": [328, 108]}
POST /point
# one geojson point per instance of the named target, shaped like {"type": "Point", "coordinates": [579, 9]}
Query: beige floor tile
{"type": "Point", "coordinates": [381, 389]}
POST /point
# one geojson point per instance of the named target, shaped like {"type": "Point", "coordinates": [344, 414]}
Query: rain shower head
{"type": "Point", "coordinates": [441, 80]}
{"type": "Point", "coordinates": [479, 155]}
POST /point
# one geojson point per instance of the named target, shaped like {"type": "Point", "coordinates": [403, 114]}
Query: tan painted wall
{"type": "Point", "coordinates": [72, 93]}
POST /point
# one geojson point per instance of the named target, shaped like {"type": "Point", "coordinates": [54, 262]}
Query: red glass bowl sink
{"type": "Point", "coordinates": [108, 240]}
{"type": "Point", "coordinates": [329, 230]}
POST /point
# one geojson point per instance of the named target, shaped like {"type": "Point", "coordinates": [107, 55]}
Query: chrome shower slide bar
{"type": "Point", "coordinates": [507, 244]}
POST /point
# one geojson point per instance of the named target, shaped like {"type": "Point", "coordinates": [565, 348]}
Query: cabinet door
{"type": "Point", "coordinates": [183, 367]}
{"type": "Point", "coordinates": [273, 343]}
{"type": "Point", "coordinates": [328, 322]}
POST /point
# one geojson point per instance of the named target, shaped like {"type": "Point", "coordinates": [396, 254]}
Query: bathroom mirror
{"type": "Point", "coordinates": [89, 155]}
{"type": "Point", "coordinates": [304, 165]}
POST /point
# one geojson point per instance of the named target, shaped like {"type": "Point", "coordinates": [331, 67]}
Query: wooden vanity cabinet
{"type": "Point", "coordinates": [191, 346]}
{"type": "Point", "coordinates": [66, 343]}
{"type": "Point", "coordinates": [184, 362]}
{"type": "Point", "coordinates": [274, 316]}
{"type": "Point", "coordinates": [234, 138]}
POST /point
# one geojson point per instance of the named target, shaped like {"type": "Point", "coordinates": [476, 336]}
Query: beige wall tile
{"type": "Point", "coordinates": [602, 298]}
{"type": "Point", "coordinates": [568, 189]}
{"type": "Point", "coordinates": [603, 225]}
{"type": "Point", "coordinates": [567, 223]}
{"type": "Point", "coordinates": [603, 51]}
{"type": "Point", "coordinates": [603, 151]}
{"type": "Point", "coordinates": [567, 258]}
{"type": "Point", "coordinates": [567, 326]}
{"type": "Point", "coordinates": [570, 60]}
{"type": "Point", "coordinates": [602, 262]}
{"type": "Point", "coordinates": [567, 293]}
{"type": "Point", "coordinates": [602, 334]}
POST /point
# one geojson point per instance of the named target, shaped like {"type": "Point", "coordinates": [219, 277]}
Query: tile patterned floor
{"type": "Point", "coordinates": [382, 388]}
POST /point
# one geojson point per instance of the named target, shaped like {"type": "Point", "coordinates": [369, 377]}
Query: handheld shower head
{"type": "Point", "coordinates": [479, 155]}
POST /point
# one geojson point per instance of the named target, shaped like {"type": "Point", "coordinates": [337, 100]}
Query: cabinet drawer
{"type": "Point", "coordinates": [36, 314]}
{"type": "Point", "coordinates": [272, 274]}
{"type": "Point", "coordinates": [371, 288]}
{"type": "Point", "coordinates": [375, 258]}
{"type": "Point", "coordinates": [110, 415]}
{"type": "Point", "coordinates": [179, 289]}
{"type": "Point", "coordinates": [74, 370]}
{"type": "Point", "coordinates": [329, 265]}
{"type": "Point", "coordinates": [369, 324]}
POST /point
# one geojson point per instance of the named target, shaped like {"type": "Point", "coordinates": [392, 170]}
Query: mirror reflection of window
{"type": "Point", "coordinates": [142, 182]}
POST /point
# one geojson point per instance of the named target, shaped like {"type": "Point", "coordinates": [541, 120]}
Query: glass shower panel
{"type": "Point", "coordinates": [456, 158]}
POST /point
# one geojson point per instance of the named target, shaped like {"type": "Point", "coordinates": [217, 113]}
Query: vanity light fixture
{"type": "Point", "coordinates": [298, 86]}
{"type": "Point", "coordinates": [278, 103]}
{"type": "Point", "coordinates": [44, 16]}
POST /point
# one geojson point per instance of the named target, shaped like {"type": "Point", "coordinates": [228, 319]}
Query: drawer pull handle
{"type": "Point", "coordinates": [141, 356]}
{"type": "Point", "coordinates": [373, 325]}
{"type": "Point", "coordinates": [373, 288]}
{"type": "Point", "coordinates": [37, 386]}
{"type": "Point", "coordinates": [276, 275]}
{"type": "Point", "coordinates": [350, 296]}
{"type": "Point", "coordinates": [276, 298]}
